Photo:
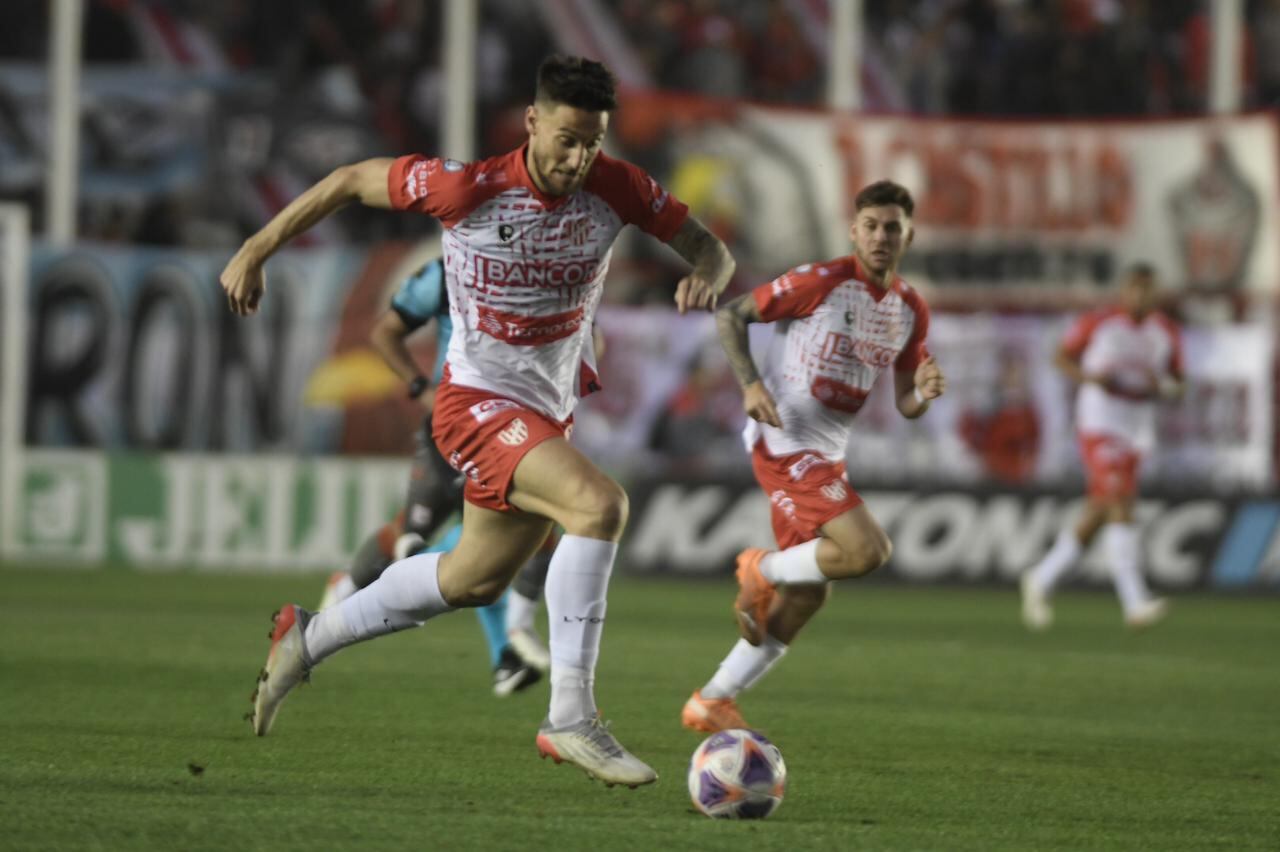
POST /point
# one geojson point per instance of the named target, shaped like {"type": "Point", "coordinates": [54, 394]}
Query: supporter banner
{"type": "Point", "coordinates": [136, 350]}
{"type": "Point", "coordinates": [999, 203]}
{"type": "Point", "coordinates": [696, 526]}
{"type": "Point", "coordinates": [1007, 417]}
{"type": "Point", "coordinates": [184, 157]}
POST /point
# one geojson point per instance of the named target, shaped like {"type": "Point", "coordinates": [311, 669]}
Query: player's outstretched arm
{"type": "Point", "coordinates": [712, 266]}
{"type": "Point", "coordinates": [916, 389]}
{"type": "Point", "coordinates": [731, 325]}
{"type": "Point", "coordinates": [366, 182]}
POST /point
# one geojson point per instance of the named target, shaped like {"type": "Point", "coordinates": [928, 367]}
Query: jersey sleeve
{"type": "Point", "coordinates": [793, 295]}
{"type": "Point", "coordinates": [1080, 333]}
{"type": "Point", "coordinates": [445, 189]}
{"type": "Point", "coordinates": [421, 297]}
{"type": "Point", "coordinates": [916, 349]}
{"type": "Point", "coordinates": [637, 198]}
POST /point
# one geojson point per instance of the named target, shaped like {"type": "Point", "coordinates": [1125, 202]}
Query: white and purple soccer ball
{"type": "Point", "coordinates": [737, 774]}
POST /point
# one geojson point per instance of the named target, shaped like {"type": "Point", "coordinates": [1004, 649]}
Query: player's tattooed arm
{"type": "Point", "coordinates": [366, 182]}
{"type": "Point", "coordinates": [731, 325]}
{"type": "Point", "coordinates": [712, 266]}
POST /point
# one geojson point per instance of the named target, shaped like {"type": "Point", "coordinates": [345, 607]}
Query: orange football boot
{"type": "Point", "coordinates": [755, 595]}
{"type": "Point", "coordinates": [709, 715]}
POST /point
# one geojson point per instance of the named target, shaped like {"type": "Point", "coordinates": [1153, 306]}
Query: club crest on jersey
{"type": "Point", "coordinates": [835, 490]}
{"type": "Point", "coordinates": [505, 233]}
{"type": "Point", "coordinates": [452, 166]}
{"type": "Point", "coordinates": [515, 434]}
{"type": "Point", "coordinates": [578, 230]}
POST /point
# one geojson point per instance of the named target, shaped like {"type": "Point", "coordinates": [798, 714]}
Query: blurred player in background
{"type": "Point", "coordinates": [517, 655]}
{"type": "Point", "coordinates": [1123, 358]}
{"type": "Point", "coordinates": [839, 325]}
{"type": "Point", "coordinates": [527, 240]}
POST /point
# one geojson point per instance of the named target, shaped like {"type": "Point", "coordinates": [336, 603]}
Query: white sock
{"type": "Point", "coordinates": [520, 612]}
{"type": "Point", "coordinates": [744, 667]}
{"type": "Point", "coordinates": [795, 565]}
{"type": "Point", "coordinates": [406, 595]}
{"type": "Point", "coordinates": [1057, 562]}
{"type": "Point", "coordinates": [577, 582]}
{"type": "Point", "coordinates": [1121, 542]}
{"type": "Point", "coordinates": [344, 588]}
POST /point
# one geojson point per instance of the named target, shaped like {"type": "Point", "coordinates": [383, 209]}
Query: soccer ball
{"type": "Point", "coordinates": [737, 774]}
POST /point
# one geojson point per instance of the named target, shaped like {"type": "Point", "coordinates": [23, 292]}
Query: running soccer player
{"type": "Point", "coordinates": [839, 325]}
{"type": "Point", "coordinates": [527, 240]}
{"type": "Point", "coordinates": [435, 490]}
{"type": "Point", "coordinates": [1123, 359]}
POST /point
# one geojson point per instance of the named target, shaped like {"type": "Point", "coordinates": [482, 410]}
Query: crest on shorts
{"type": "Point", "coordinates": [515, 434]}
{"type": "Point", "coordinates": [835, 490]}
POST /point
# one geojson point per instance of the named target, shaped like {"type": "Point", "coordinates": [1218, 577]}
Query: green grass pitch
{"type": "Point", "coordinates": [910, 718]}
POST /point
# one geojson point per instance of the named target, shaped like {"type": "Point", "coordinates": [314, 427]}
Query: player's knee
{"type": "Point", "coordinates": [601, 511]}
{"type": "Point", "coordinates": [879, 549]}
{"type": "Point", "coordinates": [479, 593]}
{"type": "Point", "coordinates": [867, 555]}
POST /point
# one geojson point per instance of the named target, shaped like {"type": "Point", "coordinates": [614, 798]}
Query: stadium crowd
{"type": "Point", "coordinates": [299, 86]}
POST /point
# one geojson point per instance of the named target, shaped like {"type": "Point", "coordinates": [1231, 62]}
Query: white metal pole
{"type": "Point", "coordinates": [14, 239]}
{"type": "Point", "coordinates": [844, 66]}
{"type": "Point", "coordinates": [1225, 84]}
{"type": "Point", "coordinates": [61, 181]}
{"type": "Point", "coordinates": [458, 117]}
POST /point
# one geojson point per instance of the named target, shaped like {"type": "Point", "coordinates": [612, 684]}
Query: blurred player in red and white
{"type": "Point", "coordinates": [1123, 358]}
{"type": "Point", "coordinates": [840, 324]}
{"type": "Point", "coordinates": [527, 240]}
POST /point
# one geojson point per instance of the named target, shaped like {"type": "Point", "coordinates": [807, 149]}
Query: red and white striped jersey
{"type": "Point", "coordinates": [1134, 353]}
{"type": "Point", "coordinates": [525, 270]}
{"type": "Point", "coordinates": [835, 333]}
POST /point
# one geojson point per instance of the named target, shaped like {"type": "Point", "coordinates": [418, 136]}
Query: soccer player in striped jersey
{"type": "Point", "coordinates": [527, 241]}
{"type": "Point", "coordinates": [517, 654]}
{"type": "Point", "coordinates": [838, 326]}
{"type": "Point", "coordinates": [1124, 359]}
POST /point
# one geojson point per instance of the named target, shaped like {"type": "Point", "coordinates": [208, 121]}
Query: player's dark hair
{"type": "Point", "coordinates": [576, 82]}
{"type": "Point", "coordinates": [1140, 269]}
{"type": "Point", "coordinates": [884, 192]}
